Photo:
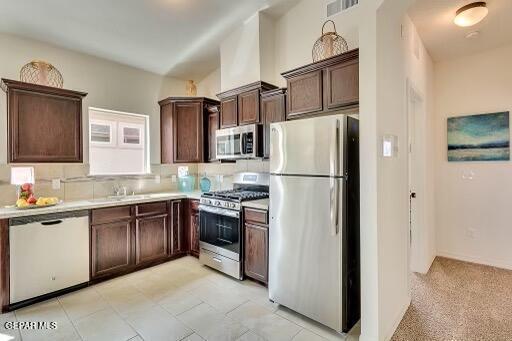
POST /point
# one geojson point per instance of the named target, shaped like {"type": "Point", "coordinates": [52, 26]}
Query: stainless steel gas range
{"type": "Point", "coordinates": [221, 222]}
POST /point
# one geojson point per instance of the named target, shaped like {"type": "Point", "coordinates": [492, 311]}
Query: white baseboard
{"type": "Point", "coordinates": [477, 260]}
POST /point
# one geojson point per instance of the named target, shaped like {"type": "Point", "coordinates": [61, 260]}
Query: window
{"type": "Point", "coordinates": [118, 143]}
{"type": "Point", "coordinates": [101, 132]}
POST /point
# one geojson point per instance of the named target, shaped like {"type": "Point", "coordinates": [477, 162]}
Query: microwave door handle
{"type": "Point", "coordinates": [242, 143]}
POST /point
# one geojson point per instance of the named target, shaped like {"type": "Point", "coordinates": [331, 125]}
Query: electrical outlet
{"type": "Point", "coordinates": [157, 179]}
{"type": "Point", "coordinates": [173, 178]}
{"type": "Point", "coordinates": [56, 184]}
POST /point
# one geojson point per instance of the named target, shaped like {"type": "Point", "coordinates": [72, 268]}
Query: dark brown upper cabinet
{"type": "Point", "coordinates": [241, 106]}
{"type": "Point", "coordinates": [249, 107]}
{"type": "Point", "coordinates": [229, 110]}
{"type": "Point", "coordinates": [273, 109]}
{"type": "Point", "coordinates": [213, 125]}
{"type": "Point", "coordinates": [325, 86]}
{"type": "Point", "coordinates": [44, 123]}
{"type": "Point", "coordinates": [184, 129]}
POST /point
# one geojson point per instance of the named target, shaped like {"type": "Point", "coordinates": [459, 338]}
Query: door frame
{"type": "Point", "coordinates": [416, 173]}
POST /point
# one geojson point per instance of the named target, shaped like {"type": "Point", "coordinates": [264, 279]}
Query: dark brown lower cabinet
{"type": "Point", "coordinates": [256, 244]}
{"type": "Point", "coordinates": [193, 226]}
{"type": "Point", "coordinates": [178, 240]}
{"type": "Point", "coordinates": [127, 238]}
{"type": "Point", "coordinates": [256, 252]}
{"type": "Point", "coordinates": [151, 236]}
{"type": "Point", "coordinates": [111, 248]}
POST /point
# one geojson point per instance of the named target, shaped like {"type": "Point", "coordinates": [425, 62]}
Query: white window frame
{"type": "Point", "coordinates": [117, 138]}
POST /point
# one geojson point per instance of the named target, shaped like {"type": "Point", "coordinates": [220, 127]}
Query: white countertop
{"type": "Point", "coordinates": [261, 204]}
{"type": "Point", "coordinates": [12, 212]}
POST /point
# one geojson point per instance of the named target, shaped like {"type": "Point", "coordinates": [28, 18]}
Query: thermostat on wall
{"type": "Point", "coordinates": [389, 146]}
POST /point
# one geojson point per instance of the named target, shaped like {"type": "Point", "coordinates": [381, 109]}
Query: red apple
{"type": "Point", "coordinates": [31, 200]}
{"type": "Point", "coordinates": [26, 187]}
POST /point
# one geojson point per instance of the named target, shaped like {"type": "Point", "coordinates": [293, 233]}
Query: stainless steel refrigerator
{"type": "Point", "coordinates": [314, 219]}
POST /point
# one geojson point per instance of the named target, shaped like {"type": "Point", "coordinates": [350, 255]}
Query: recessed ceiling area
{"type": "Point", "coordinates": [445, 40]}
{"type": "Point", "coordinates": [178, 38]}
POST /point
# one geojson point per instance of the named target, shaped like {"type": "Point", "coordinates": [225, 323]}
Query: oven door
{"type": "Point", "coordinates": [220, 231]}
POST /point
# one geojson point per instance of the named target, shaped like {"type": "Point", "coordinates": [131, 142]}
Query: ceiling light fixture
{"type": "Point", "coordinates": [471, 14]}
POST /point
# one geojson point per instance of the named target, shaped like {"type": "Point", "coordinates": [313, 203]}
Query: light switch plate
{"type": "Point", "coordinates": [55, 183]}
{"type": "Point", "coordinates": [389, 146]}
{"type": "Point", "coordinates": [157, 179]}
{"type": "Point", "coordinates": [173, 178]}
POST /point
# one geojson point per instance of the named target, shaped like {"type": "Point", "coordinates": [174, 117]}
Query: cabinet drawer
{"type": "Point", "coordinates": [151, 208]}
{"type": "Point", "coordinates": [255, 216]}
{"type": "Point", "coordinates": [106, 215]}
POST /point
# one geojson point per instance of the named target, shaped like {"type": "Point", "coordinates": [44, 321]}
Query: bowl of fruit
{"type": "Point", "coordinates": [27, 199]}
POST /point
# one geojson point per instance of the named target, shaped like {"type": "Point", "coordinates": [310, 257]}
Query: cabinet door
{"type": "Point", "coordinates": [213, 125]}
{"type": "Point", "coordinates": [193, 221]}
{"type": "Point", "coordinates": [166, 139]}
{"type": "Point", "coordinates": [273, 109]}
{"type": "Point", "coordinates": [111, 248]}
{"type": "Point", "coordinates": [256, 252]}
{"type": "Point", "coordinates": [151, 237]}
{"type": "Point", "coordinates": [44, 127]}
{"type": "Point", "coordinates": [188, 133]}
{"type": "Point", "coordinates": [178, 241]}
{"type": "Point", "coordinates": [229, 112]}
{"type": "Point", "coordinates": [305, 94]}
{"type": "Point", "coordinates": [342, 85]}
{"type": "Point", "coordinates": [249, 107]}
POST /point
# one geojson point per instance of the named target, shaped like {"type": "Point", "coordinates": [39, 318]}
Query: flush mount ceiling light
{"type": "Point", "coordinates": [471, 14]}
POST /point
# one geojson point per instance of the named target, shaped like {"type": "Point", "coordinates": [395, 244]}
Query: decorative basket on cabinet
{"type": "Point", "coordinates": [329, 44]}
{"type": "Point", "coordinates": [42, 73]}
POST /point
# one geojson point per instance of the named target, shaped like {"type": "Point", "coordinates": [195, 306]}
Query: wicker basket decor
{"type": "Point", "coordinates": [42, 73]}
{"type": "Point", "coordinates": [329, 44]}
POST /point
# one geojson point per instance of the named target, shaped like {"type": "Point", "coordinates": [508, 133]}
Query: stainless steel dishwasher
{"type": "Point", "coordinates": [48, 253]}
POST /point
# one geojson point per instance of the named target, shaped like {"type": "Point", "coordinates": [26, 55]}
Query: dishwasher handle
{"type": "Point", "coordinates": [50, 223]}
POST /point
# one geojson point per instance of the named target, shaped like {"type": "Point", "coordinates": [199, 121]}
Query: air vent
{"type": "Point", "coordinates": [349, 3]}
{"type": "Point", "coordinates": [333, 8]}
{"type": "Point", "coordinates": [338, 6]}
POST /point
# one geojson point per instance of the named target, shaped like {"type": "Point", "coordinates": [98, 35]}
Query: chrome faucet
{"type": "Point", "coordinates": [119, 190]}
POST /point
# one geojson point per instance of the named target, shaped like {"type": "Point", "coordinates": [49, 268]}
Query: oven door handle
{"type": "Point", "coordinates": [220, 211]}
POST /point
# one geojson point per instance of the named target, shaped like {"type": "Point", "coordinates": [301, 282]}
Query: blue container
{"type": "Point", "coordinates": [187, 183]}
{"type": "Point", "coordinates": [205, 184]}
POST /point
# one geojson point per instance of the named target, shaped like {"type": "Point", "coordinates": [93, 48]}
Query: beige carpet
{"type": "Point", "coordinates": [459, 301]}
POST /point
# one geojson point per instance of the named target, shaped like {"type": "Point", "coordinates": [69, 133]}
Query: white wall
{"type": "Point", "coordinates": [299, 28]}
{"type": "Point", "coordinates": [109, 85]}
{"type": "Point", "coordinates": [210, 85]}
{"type": "Point", "coordinates": [267, 49]}
{"type": "Point", "coordinates": [474, 84]}
{"type": "Point", "coordinates": [240, 55]}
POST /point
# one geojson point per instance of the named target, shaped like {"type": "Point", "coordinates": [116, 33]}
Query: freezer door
{"type": "Point", "coordinates": [305, 248]}
{"type": "Point", "coordinates": [308, 147]}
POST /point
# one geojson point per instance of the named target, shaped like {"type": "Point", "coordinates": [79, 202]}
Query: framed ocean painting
{"type": "Point", "coordinates": [484, 137]}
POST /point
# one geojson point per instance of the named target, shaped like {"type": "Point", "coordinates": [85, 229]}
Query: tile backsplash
{"type": "Point", "coordinates": [76, 184]}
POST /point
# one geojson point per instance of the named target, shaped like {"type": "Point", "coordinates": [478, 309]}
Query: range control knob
{"type": "Point", "coordinates": [218, 203]}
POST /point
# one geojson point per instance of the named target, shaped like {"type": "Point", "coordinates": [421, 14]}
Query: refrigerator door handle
{"type": "Point", "coordinates": [334, 188]}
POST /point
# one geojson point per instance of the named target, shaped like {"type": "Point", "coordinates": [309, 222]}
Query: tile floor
{"type": "Point", "coordinates": [178, 300]}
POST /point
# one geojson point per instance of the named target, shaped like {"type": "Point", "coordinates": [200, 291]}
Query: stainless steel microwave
{"type": "Point", "coordinates": [243, 142]}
